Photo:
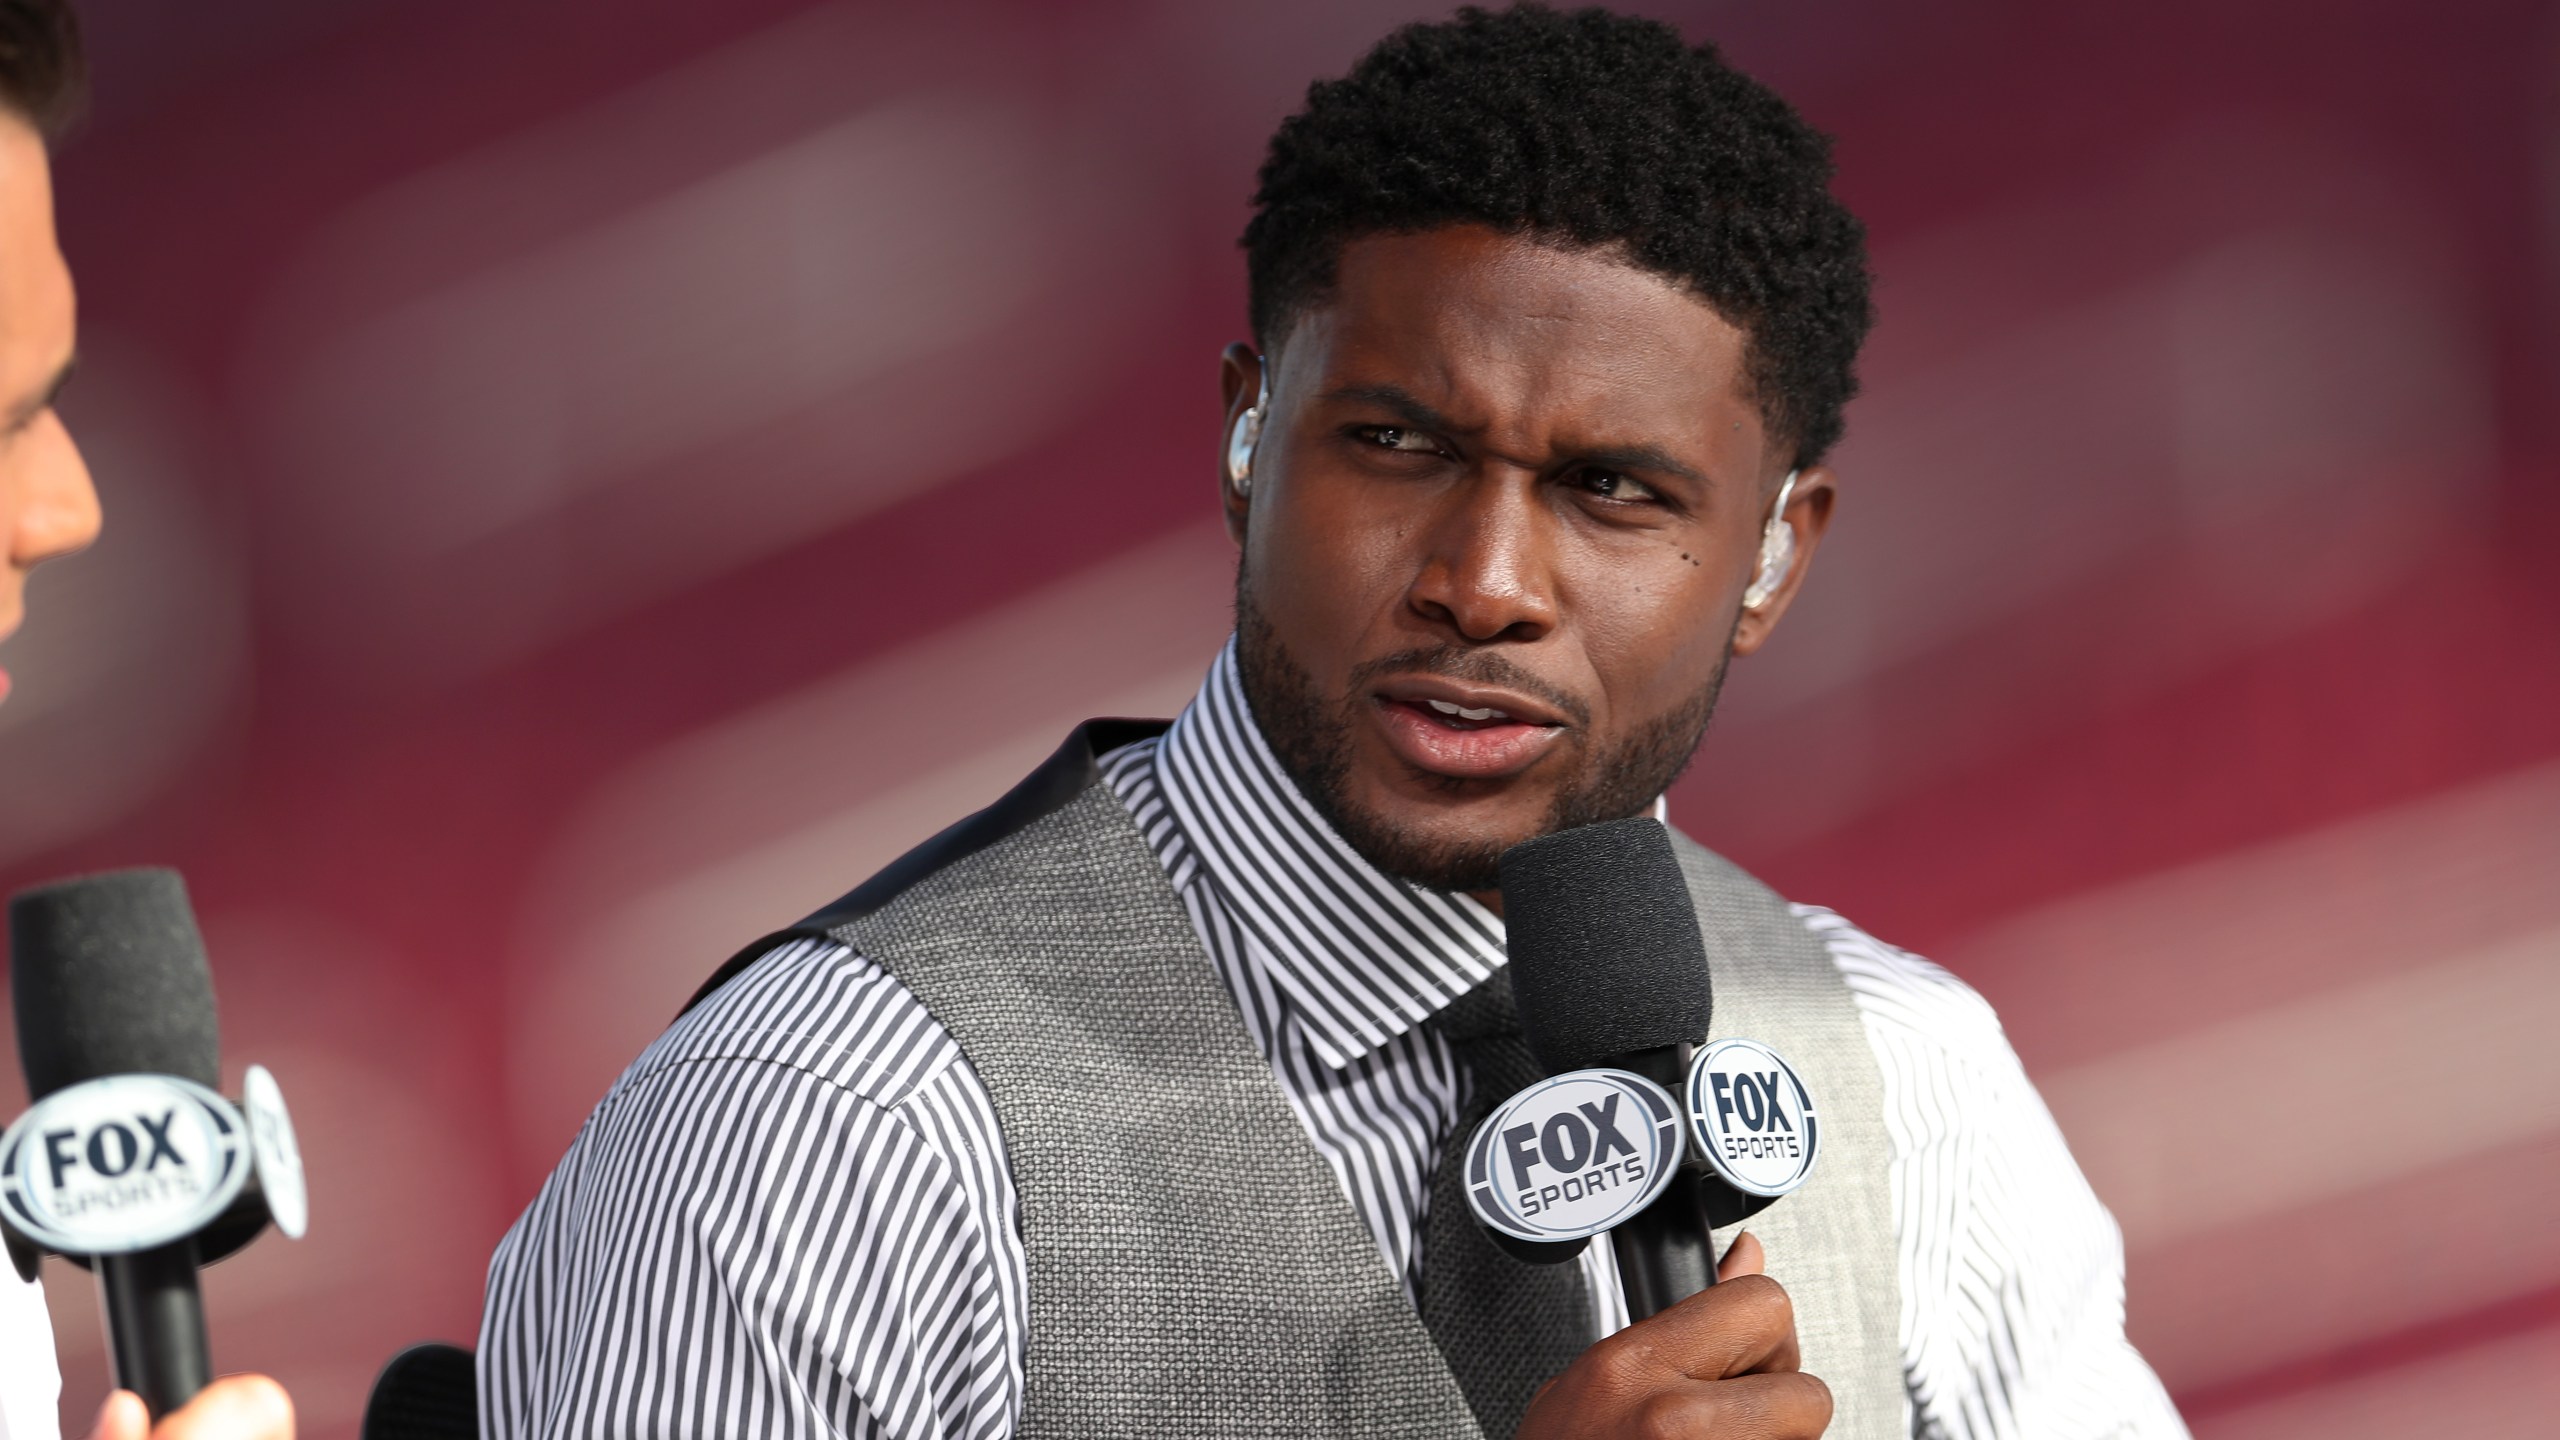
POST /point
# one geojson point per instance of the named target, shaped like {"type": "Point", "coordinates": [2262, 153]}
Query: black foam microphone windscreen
{"type": "Point", "coordinates": [108, 977]}
{"type": "Point", "coordinates": [427, 1392]}
{"type": "Point", "coordinates": [1606, 959]}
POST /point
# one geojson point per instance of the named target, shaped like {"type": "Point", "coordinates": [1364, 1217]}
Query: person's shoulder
{"type": "Point", "coordinates": [1899, 990]}
{"type": "Point", "coordinates": [812, 1005]}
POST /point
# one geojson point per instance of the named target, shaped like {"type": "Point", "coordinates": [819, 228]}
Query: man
{"type": "Point", "coordinates": [1127, 1106]}
{"type": "Point", "coordinates": [47, 510]}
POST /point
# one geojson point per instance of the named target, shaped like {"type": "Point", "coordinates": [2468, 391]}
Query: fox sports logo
{"type": "Point", "coordinates": [122, 1163]}
{"type": "Point", "coordinates": [1752, 1118]}
{"type": "Point", "coordinates": [1573, 1155]}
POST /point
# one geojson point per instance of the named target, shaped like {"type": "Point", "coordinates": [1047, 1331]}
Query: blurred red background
{"type": "Point", "coordinates": [587, 482]}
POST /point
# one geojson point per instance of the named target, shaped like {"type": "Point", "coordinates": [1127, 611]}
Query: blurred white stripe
{"type": "Point", "coordinates": [688, 324]}
{"type": "Point", "coordinates": [2461, 871]}
{"type": "Point", "coordinates": [2189, 422]}
{"type": "Point", "coordinates": [2294, 1069]}
{"type": "Point", "coordinates": [2351, 1086]}
{"type": "Point", "coordinates": [848, 736]}
{"type": "Point", "coordinates": [728, 304]}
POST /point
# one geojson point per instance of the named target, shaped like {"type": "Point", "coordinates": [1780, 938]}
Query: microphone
{"type": "Point", "coordinates": [1610, 973]}
{"type": "Point", "coordinates": [1610, 976]}
{"type": "Point", "coordinates": [129, 1162]}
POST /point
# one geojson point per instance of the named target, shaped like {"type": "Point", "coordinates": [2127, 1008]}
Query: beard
{"type": "Point", "coordinates": [1310, 733]}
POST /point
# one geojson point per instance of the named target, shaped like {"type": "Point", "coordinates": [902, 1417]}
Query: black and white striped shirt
{"type": "Point", "coordinates": [792, 1215]}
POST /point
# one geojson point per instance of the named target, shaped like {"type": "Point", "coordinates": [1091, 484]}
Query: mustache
{"type": "Point", "coordinates": [1471, 663]}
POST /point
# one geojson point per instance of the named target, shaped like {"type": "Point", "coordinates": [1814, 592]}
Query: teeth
{"type": "Point", "coordinates": [1463, 713]}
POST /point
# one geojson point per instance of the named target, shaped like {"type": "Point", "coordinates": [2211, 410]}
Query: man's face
{"type": "Point", "coordinates": [1502, 515]}
{"type": "Point", "coordinates": [46, 505]}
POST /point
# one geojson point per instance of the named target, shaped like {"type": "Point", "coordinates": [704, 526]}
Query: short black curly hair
{"type": "Point", "coordinates": [43, 73]}
{"type": "Point", "coordinates": [1586, 129]}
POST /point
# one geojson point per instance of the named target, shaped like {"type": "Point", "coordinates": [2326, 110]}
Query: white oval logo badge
{"type": "Point", "coordinates": [1573, 1155]}
{"type": "Point", "coordinates": [120, 1164]}
{"type": "Point", "coordinates": [271, 1145]}
{"type": "Point", "coordinates": [1753, 1118]}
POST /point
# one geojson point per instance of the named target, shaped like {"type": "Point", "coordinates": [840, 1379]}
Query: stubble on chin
{"type": "Point", "coordinates": [1310, 734]}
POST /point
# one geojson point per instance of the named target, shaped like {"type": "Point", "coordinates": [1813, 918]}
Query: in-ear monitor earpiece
{"type": "Point", "coordinates": [1777, 551]}
{"type": "Point", "coordinates": [1247, 433]}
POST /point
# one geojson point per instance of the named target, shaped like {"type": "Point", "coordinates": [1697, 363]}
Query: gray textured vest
{"type": "Point", "coordinates": [1194, 1268]}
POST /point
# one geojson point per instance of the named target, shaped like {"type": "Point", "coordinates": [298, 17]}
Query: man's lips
{"type": "Point", "coordinates": [1463, 731]}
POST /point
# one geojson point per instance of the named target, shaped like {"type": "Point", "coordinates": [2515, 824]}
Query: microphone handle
{"type": "Point", "coordinates": [155, 1324]}
{"type": "Point", "coordinates": [1664, 1252]}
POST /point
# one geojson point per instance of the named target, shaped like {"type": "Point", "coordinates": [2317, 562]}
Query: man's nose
{"type": "Point", "coordinates": [58, 511]}
{"type": "Point", "coordinates": [1486, 570]}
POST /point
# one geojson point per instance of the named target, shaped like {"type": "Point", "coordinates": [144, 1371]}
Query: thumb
{"type": "Point", "coordinates": [236, 1407]}
{"type": "Point", "coordinates": [1743, 1257]}
{"type": "Point", "coordinates": [121, 1418]}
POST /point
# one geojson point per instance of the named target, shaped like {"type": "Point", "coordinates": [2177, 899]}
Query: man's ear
{"type": "Point", "coordinates": [1808, 514]}
{"type": "Point", "coordinates": [1239, 381]}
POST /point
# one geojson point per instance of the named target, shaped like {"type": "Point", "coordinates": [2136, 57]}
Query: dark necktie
{"type": "Point", "coordinates": [1506, 1327]}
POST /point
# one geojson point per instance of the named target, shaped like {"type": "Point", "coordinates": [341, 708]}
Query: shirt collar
{"type": "Point", "coordinates": [1363, 957]}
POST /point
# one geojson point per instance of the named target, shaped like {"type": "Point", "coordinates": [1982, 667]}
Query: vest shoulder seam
{"type": "Point", "coordinates": [889, 1100]}
{"type": "Point", "coordinates": [898, 1048]}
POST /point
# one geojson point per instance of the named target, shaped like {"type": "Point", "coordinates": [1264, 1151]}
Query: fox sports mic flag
{"type": "Point", "coordinates": [1573, 1155]}
{"type": "Point", "coordinates": [1752, 1117]}
{"type": "Point", "coordinates": [122, 1163]}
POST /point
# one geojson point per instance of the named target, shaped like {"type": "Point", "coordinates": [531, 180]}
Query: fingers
{"type": "Point", "coordinates": [121, 1418]}
{"type": "Point", "coordinates": [1792, 1406]}
{"type": "Point", "coordinates": [1742, 1326]}
{"type": "Point", "coordinates": [236, 1407]}
{"type": "Point", "coordinates": [1743, 1257]}
{"type": "Point", "coordinates": [1723, 1363]}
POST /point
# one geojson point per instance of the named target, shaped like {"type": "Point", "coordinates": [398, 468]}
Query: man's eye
{"type": "Point", "coordinates": [1396, 437]}
{"type": "Point", "coordinates": [1610, 485]}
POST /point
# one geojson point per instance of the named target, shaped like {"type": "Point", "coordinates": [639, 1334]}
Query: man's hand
{"type": "Point", "coordinates": [237, 1407]}
{"type": "Point", "coordinates": [1719, 1364]}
